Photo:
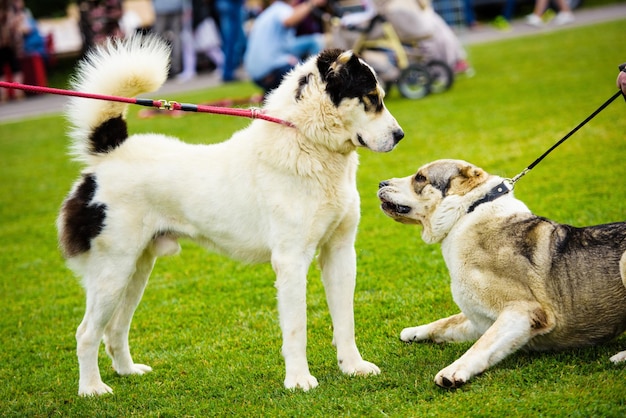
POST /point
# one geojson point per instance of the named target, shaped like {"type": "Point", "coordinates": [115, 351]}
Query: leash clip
{"type": "Point", "coordinates": [168, 105]}
{"type": "Point", "coordinates": [509, 184]}
{"type": "Point", "coordinates": [254, 112]}
{"type": "Point", "coordinates": [164, 104]}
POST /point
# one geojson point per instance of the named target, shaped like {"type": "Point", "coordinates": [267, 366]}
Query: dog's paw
{"type": "Point", "coordinates": [134, 369]}
{"type": "Point", "coordinates": [452, 377]}
{"type": "Point", "coordinates": [619, 357]}
{"type": "Point", "coordinates": [301, 381]}
{"type": "Point", "coordinates": [359, 368]}
{"type": "Point", "coordinates": [96, 389]}
{"type": "Point", "coordinates": [414, 334]}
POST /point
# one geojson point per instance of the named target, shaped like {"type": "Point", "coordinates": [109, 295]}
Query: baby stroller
{"type": "Point", "coordinates": [400, 62]}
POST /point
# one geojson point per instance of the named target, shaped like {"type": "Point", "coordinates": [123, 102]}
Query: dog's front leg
{"type": "Point", "coordinates": [337, 261]}
{"type": "Point", "coordinates": [455, 328]}
{"type": "Point", "coordinates": [513, 328]}
{"type": "Point", "coordinates": [291, 271]}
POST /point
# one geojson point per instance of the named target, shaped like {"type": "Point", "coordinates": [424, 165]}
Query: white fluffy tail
{"type": "Point", "coordinates": [120, 67]}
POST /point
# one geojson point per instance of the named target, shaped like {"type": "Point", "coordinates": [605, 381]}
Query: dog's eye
{"type": "Point", "coordinates": [419, 178]}
{"type": "Point", "coordinates": [372, 101]}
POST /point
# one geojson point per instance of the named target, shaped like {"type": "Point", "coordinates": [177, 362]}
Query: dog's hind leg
{"type": "Point", "coordinates": [337, 261]}
{"type": "Point", "coordinates": [621, 356]}
{"type": "Point", "coordinates": [105, 286]}
{"type": "Point", "coordinates": [116, 331]}
{"type": "Point", "coordinates": [512, 330]}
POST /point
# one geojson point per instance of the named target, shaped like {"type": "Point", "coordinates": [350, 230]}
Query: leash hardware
{"type": "Point", "coordinates": [514, 180]}
{"type": "Point", "coordinates": [509, 183]}
{"type": "Point", "coordinates": [254, 112]}
{"type": "Point", "coordinates": [168, 105]}
{"type": "Point", "coordinates": [163, 104]}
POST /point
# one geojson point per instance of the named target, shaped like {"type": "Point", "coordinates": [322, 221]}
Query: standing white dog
{"type": "Point", "coordinates": [270, 193]}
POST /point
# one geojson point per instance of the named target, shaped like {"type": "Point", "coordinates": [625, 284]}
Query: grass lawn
{"type": "Point", "coordinates": [208, 326]}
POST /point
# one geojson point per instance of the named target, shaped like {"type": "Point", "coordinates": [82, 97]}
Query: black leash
{"type": "Point", "coordinates": [507, 184]}
{"type": "Point", "coordinates": [572, 132]}
{"type": "Point", "coordinates": [622, 68]}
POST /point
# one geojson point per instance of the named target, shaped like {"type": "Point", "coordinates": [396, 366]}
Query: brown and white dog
{"type": "Point", "coordinates": [521, 281]}
{"type": "Point", "coordinates": [271, 193]}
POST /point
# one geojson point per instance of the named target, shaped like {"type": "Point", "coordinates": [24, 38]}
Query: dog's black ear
{"type": "Point", "coordinates": [345, 75]}
{"type": "Point", "coordinates": [326, 59]}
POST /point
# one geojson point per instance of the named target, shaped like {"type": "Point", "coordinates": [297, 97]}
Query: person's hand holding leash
{"type": "Point", "coordinates": [621, 79]}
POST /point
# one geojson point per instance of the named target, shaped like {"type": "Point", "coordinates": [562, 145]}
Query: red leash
{"type": "Point", "coordinates": [160, 104]}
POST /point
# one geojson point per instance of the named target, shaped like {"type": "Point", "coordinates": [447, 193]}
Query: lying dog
{"type": "Point", "coordinates": [521, 281]}
{"type": "Point", "coordinates": [272, 193]}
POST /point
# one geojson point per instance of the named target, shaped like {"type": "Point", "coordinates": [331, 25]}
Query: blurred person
{"type": "Point", "coordinates": [469, 14]}
{"type": "Point", "coordinates": [199, 35]}
{"type": "Point", "coordinates": [231, 13]}
{"type": "Point", "coordinates": [33, 42]}
{"type": "Point", "coordinates": [208, 41]}
{"type": "Point", "coordinates": [443, 44]}
{"type": "Point", "coordinates": [314, 22]}
{"type": "Point", "coordinates": [563, 17]}
{"type": "Point", "coordinates": [417, 20]}
{"type": "Point", "coordinates": [169, 15]}
{"type": "Point", "coordinates": [99, 20]}
{"type": "Point", "coordinates": [273, 48]}
{"type": "Point", "coordinates": [502, 22]}
{"type": "Point", "coordinates": [11, 43]}
{"type": "Point", "coordinates": [188, 47]}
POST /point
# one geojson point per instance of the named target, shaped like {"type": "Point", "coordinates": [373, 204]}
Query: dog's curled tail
{"type": "Point", "coordinates": [119, 67]}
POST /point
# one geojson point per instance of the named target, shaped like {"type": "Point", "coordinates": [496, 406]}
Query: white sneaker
{"type": "Point", "coordinates": [534, 20]}
{"type": "Point", "coordinates": [563, 18]}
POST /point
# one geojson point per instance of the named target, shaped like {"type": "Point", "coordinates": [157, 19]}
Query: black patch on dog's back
{"type": "Point", "coordinates": [350, 79]}
{"type": "Point", "coordinates": [529, 233]}
{"type": "Point", "coordinates": [108, 136]}
{"type": "Point", "coordinates": [595, 240]}
{"type": "Point", "coordinates": [83, 220]}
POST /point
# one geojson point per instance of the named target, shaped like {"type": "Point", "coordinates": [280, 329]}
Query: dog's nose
{"type": "Point", "coordinates": [398, 135]}
{"type": "Point", "coordinates": [383, 184]}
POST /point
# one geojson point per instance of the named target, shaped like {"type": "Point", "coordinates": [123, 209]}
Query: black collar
{"type": "Point", "coordinates": [500, 190]}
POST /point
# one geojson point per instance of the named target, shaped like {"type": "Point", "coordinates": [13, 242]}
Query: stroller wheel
{"type": "Point", "coordinates": [441, 76]}
{"type": "Point", "coordinates": [414, 82]}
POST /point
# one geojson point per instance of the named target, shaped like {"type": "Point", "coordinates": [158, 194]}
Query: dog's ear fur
{"type": "Point", "coordinates": [468, 179]}
{"type": "Point", "coordinates": [331, 61]}
{"type": "Point", "coordinates": [344, 75]}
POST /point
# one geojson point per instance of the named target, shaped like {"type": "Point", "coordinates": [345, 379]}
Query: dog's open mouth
{"type": "Point", "coordinates": [394, 208]}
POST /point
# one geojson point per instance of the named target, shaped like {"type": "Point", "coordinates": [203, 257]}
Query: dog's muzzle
{"type": "Point", "coordinates": [394, 208]}
{"type": "Point", "coordinates": [389, 206]}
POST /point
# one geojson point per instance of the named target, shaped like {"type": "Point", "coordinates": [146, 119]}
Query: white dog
{"type": "Point", "coordinates": [271, 193]}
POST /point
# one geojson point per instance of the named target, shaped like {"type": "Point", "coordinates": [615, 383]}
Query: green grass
{"type": "Point", "coordinates": [208, 326]}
